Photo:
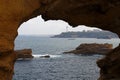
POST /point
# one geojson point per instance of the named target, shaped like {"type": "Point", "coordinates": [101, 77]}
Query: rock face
{"type": "Point", "coordinates": [23, 54]}
{"type": "Point", "coordinates": [104, 14]}
{"type": "Point", "coordinates": [110, 65]}
{"type": "Point", "coordinates": [93, 48]}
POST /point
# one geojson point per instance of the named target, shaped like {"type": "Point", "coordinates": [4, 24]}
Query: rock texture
{"type": "Point", "coordinates": [93, 48]}
{"type": "Point", "coordinates": [100, 13]}
{"type": "Point", "coordinates": [12, 14]}
{"type": "Point", "coordinates": [104, 14]}
{"type": "Point", "coordinates": [24, 54]}
{"type": "Point", "coordinates": [110, 65]}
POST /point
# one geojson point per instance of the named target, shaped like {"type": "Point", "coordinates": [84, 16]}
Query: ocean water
{"type": "Point", "coordinates": [60, 66]}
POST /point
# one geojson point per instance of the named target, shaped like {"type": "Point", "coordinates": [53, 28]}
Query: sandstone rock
{"type": "Point", "coordinates": [24, 54]}
{"type": "Point", "coordinates": [104, 14]}
{"type": "Point", "coordinates": [110, 65]}
{"type": "Point", "coordinates": [7, 61]}
{"type": "Point", "coordinates": [93, 48]}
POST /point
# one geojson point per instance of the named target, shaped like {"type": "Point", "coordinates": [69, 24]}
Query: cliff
{"type": "Point", "coordinates": [104, 14]}
{"type": "Point", "coordinates": [110, 66]}
{"type": "Point", "coordinates": [91, 49]}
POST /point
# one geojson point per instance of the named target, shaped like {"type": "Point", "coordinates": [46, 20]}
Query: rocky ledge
{"type": "Point", "coordinates": [24, 54]}
{"type": "Point", "coordinates": [93, 48]}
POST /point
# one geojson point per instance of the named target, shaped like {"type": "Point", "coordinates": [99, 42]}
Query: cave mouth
{"type": "Point", "coordinates": [59, 66]}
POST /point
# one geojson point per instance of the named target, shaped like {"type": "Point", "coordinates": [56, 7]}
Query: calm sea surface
{"type": "Point", "coordinates": [60, 66]}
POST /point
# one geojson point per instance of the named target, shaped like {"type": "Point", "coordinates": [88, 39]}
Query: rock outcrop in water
{"type": "Point", "coordinates": [24, 54]}
{"type": "Point", "coordinates": [93, 48]}
{"type": "Point", "coordinates": [104, 14]}
{"type": "Point", "coordinates": [45, 56]}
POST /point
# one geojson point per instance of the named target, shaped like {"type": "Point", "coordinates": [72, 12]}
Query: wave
{"type": "Point", "coordinates": [40, 56]}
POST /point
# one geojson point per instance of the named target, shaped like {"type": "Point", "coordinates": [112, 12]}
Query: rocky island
{"type": "Point", "coordinates": [24, 54]}
{"type": "Point", "coordinates": [93, 48]}
{"type": "Point", "coordinates": [87, 34]}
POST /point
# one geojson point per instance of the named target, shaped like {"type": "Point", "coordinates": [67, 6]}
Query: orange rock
{"type": "Point", "coordinates": [93, 48]}
{"type": "Point", "coordinates": [104, 14]}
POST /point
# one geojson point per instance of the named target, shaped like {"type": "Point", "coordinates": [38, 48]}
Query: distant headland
{"type": "Point", "coordinates": [99, 34]}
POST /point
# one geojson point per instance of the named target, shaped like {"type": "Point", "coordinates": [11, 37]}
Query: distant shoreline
{"type": "Point", "coordinates": [87, 34]}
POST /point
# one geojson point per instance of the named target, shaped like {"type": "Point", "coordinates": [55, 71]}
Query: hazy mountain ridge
{"type": "Point", "coordinates": [87, 34]}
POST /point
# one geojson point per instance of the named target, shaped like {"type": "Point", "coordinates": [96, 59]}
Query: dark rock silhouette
{"type": "Point", "coordinates": [110, 66]}
{"type": "Point", "coordinates": [93, 48]}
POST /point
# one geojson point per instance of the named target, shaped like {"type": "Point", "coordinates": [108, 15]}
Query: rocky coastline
{"type": "Point", "coordinates": [104, 14]}
{"type": "Point", "coordinates": [110, 65]}
{"type": "Point", "coordinates": [91, 49]}
{"type": "Point", "coordinates": [24, 54]}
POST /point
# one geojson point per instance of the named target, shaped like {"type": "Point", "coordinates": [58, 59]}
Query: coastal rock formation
{"type": "Point", "coordinates": [93, 48]}
{"type": "Point", "coordinates": [45, 56]}
{"type": "Point", "coordinates": [23, 54]}
{"type": "Point", "coordinates": [7, 61]}
{"type": "Point", "coordinates": [104, 14]}
{"type": "Point", "coordinates": [110, 65]}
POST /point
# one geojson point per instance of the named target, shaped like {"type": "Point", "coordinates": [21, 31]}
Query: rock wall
{"type": "Point", "coordinates": [110, 65]}
{"type": "Point", "coordinates": [24, 54]}
{"type": "Point", "coordinates": [100, 13]}
{"type": "Point", "coordinates": [104, 14]}
{"type": "Point", "coordinates": [12, 14]}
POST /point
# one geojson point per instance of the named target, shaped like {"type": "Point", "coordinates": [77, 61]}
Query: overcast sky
{"type": "Point", "coordinates": [37, 26]}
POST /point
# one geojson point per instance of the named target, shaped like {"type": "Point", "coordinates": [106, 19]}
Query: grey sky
{"type": "Point", "coordinates": [38, 26]}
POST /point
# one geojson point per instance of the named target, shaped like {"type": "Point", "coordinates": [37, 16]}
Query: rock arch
{"type": "Point", "coordinates": [103, 14]}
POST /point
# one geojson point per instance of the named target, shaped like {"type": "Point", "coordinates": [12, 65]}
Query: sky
{"type": "Point", "coordinates": [37, 26]}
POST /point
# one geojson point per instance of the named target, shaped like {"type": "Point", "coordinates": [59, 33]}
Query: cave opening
{"type": "Point", "coordinates": [102, 14]}
{"type": "Point", "coordinates": [59, 65]}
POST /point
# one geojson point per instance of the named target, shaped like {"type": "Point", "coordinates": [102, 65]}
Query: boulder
{"type": "Point", "coordinates": [93, 48]}
{"type": "Point", "coordinates": [45, 56]}
{"type": "Point", "coordinates": [23, 54]}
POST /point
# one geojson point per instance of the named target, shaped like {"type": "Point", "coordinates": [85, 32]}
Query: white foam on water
{"type": "Point", "coordinates": [51, 56]}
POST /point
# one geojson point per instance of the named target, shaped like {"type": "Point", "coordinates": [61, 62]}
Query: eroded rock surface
{"type": "Point", "coordinates": [12, 14]}
{"type": "Point", "coordinates": [93, 48]}
{"type": "Point", "coordinates": [110, 65]}
{"type": "Point", "coordinates": [104, 14]}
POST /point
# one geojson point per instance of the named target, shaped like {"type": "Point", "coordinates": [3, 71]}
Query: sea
{"type": "Point", "coordinates": [59, 66]}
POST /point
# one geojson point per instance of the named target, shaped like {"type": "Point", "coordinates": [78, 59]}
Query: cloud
{"type": "Point", "coordinates": [37, 26]}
